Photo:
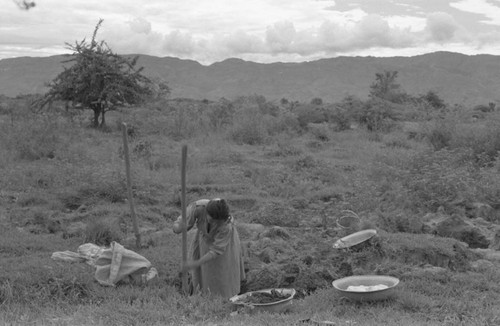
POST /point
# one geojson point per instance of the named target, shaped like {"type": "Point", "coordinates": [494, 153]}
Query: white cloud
{"type": "Point", "coordinates": [345, 17]}
{"type": "Point", "coordinates": [372, 30]}
{"type": "Point", "coordinates": [414, 24]}
{"type": "Point", "coordinates": [140, 25]}
{"type": "Point", "coordinates": [441, 27]}
{"type": "Point", "coordinates": [280, 36]}
{"type": "Point", "coordinates": [242, 42]}
{"type": "Point", "coordinates": [178, 43]}
{"type": "Point", "coordinates": [489, 10]}
{"type": "Point", "coordinates": [260, 30]}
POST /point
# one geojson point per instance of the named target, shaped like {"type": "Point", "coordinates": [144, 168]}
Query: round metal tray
{"type": "Point", "coordinates": [341, 285]}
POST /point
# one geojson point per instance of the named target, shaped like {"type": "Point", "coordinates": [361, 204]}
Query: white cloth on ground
{"type": "Point", "coordinates": [112, 264]}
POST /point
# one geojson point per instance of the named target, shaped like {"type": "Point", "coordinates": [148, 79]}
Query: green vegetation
{"type": "Point", "coordinates": [65, 186]}
{"type": "Point", "coordinates": [99, 80]}
{"type": "Point", "coordinates": [403, 163]}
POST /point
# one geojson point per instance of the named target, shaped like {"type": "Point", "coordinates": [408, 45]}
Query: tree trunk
{"type": "Point", "coordinates": [96, 117]}
{"type": "Point", "coordinates": [103, 120]}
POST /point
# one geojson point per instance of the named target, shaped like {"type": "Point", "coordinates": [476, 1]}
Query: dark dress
{"type": "Point", "coordinates": [223, 274]}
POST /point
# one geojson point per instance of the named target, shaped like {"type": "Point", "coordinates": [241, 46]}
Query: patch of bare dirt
{"type": "Point", "coordinates": [304, 258]}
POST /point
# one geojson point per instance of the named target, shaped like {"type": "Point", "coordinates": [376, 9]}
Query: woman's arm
{"type": "Point", "coordinates": [190, 264]}
{"type": "Point", "coordinates": [190, 216]}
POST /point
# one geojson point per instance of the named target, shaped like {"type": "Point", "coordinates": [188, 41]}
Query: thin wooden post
{"type": "Point", "coordinates": [129, 186]}
{"type": "Point", "coordinates": [184, 217]}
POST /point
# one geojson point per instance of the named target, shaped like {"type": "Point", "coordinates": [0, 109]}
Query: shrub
{"type": "Point", "coordinates": [220, 114]}
{"type": "Point", "coordinates": [438, 178]}
{"type": "Point", "coordinates": [377, 115]}
{"type": "Point", "coordinates": [309, 113]}
{"type": "Point", "coordinates": [285, 123]}
{"type": "Point", "coordinates": [341, 118]}
{"type": "Point", "coordinates": [249, 128]}
{"type": "Point", "coordinates": [484, 141]}
{"type": "Point", "coordinates": [441, 133]}
{"type": "Point", "coordinates": [320, 131]}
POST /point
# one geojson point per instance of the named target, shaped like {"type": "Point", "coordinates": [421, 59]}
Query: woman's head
{"type": "Point", "coordinates": [218, 209]}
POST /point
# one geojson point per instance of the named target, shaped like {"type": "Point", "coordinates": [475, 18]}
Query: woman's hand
{"type": "Point", "coordinates": [177, 227]}
{"type": "Point", "coordinates": [190, 264]}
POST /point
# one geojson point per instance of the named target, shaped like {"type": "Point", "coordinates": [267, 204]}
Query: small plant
{"type": "Point", "coordinates": [102, 233]}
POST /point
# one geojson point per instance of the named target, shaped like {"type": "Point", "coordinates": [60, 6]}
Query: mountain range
{"type": "Point", "coordinates": [456, 78]}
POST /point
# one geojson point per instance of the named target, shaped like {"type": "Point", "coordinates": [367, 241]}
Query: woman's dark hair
{"type": "Point", "coordinates": [218, 209]}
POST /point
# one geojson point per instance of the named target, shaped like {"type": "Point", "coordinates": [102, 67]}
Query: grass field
{"type": "Point", "coordinates": [63, 184]}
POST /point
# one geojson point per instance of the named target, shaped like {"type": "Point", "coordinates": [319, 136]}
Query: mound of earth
{"type": "Point", "coordinates": [305, 259]}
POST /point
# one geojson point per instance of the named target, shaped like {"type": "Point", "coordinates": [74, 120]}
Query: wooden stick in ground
{"type": "Point", "coordinates": [184, 217]}
{"type": "Point", "coordinates": [129, 186]}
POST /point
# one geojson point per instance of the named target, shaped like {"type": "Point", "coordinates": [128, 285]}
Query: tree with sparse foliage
{"type": "Point", "coordinates": [99, 80]}
{"type": "Point", "coordinates": [386, 88]}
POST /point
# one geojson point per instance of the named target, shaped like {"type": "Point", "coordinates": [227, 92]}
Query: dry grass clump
{"type": "Point", "coordinates": [103, 232]}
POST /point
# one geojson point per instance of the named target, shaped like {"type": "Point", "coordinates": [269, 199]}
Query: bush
{"type": "Point", "coordinates": [341, 118]}
{"type": "Point", "coordinates": [309, 113]}
{"type": "Point", "coordinates": [285, 123]}
{"type": "Point", "coordinates": [377, 115]}
{"type": "Point", "coordinates": [320, 131]}
{"type": "Point", "coordinates": [220, 114]}
{"type": "Point", "coordinates": [484, 141]}
{"type": "Point", "coordinates": [441, 133]}
{"type": "Point", "coordinates": [249, 128]}
{"type": "Point", "coordinates": [439, 178]}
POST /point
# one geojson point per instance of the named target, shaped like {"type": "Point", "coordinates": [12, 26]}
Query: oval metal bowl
{"type": "Point", "coordinates": [278, 306]}
{"type": "Point", "coordinates": [342, 284]}
{"type": "Point", "coordinates": [354, 239]}
{"type": "Point", "coordinates": [348, 220]}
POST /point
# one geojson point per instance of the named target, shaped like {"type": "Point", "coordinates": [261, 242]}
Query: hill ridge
{"type": "Point", "coordinates": [456, 77]}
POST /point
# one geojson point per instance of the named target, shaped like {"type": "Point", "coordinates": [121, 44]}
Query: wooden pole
{"type": "Point", "coordinates": [129, 186]}
{"type": "Point", "coordinates": [184, 217]}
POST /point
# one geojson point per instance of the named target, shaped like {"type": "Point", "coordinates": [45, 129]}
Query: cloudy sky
{"type": "Point", "coordinates": [257, 30]}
